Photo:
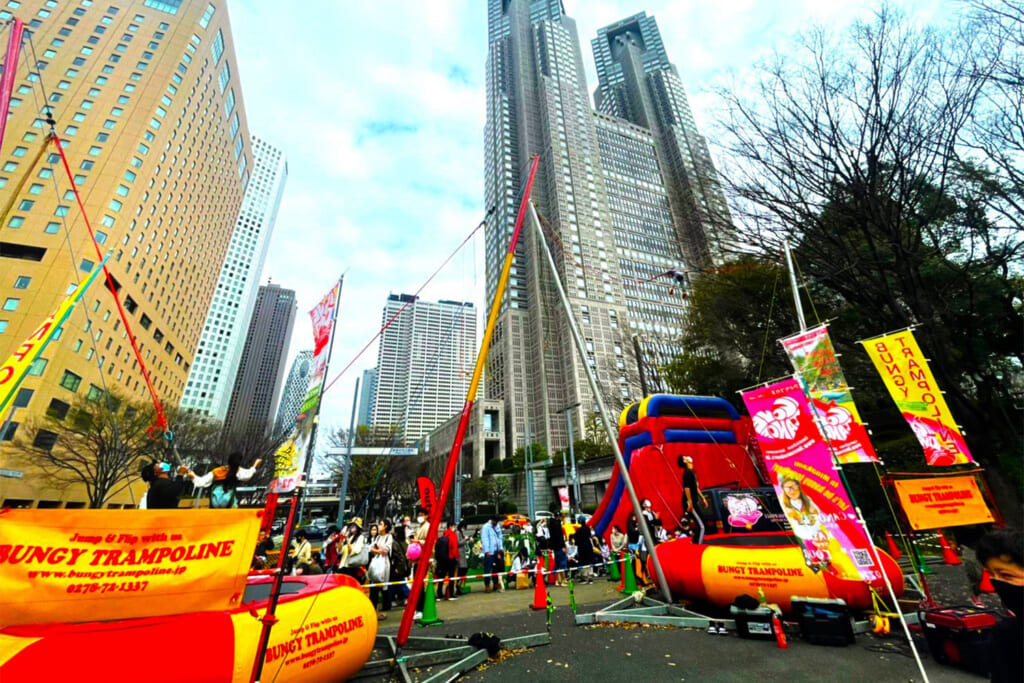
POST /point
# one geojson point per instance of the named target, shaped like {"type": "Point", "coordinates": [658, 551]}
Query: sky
{"type": "Point", "coordinates": [379, 108]}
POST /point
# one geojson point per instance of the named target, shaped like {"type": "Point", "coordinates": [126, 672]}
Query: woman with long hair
{"type": "Point", "coordinates": [380, 557]}
{"type": "Point", "coordinates": [225, 480]}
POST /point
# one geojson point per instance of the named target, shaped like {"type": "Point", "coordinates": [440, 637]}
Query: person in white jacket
{"type": "Point", "coordinates": [223, 481]}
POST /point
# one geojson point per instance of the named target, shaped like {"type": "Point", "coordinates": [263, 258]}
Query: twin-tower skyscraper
{"type": "Point", "coordinates": [626, 191]}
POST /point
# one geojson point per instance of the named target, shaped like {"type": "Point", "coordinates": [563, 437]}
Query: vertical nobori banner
{"type": "Point", "coordinates": [290, 457]}
{"type": "Point", "coordinates": [906, 374]}
{"type": "Point", "coordinates": [804, 476]}
{"type": "Point", "coordinates": [814, 359]}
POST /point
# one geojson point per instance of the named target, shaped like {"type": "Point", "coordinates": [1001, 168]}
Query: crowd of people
{"type": "Point", "coordinates": [384, 555]}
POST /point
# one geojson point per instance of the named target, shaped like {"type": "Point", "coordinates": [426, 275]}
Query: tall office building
{"type": "Point", "coordinates": [424, 364]}
{"type": "Point", "coordinates": [257, 388]}
{"type": "Point", "coordinates": [612, 214]}
{"type": "Point", "coordinates": [367, 390]}
{"type": "Point", "coordinates": [147, 100]}
{"type": "Point", "coordinates": [295, 388]}
{"type": "Point", "coordinates": [636, 82]}
{"type": "Point", "coordinates": [208, 389]}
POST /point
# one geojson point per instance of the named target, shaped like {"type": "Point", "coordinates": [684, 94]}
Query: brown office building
{"type": "Point", "coordinates": [260, 375]}
{"type": "Point", "coordinates": [146, 96]}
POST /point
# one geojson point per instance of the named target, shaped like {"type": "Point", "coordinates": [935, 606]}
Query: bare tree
{"type": "Point", "coordinates": [99, 444]}
{"type": "Point", "coordinates": [851, 147]}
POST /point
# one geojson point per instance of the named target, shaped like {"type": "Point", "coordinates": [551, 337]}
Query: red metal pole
{"type": "Point", "coordinates": [453, 458]}
{"type": "Point", "coordinates": [268, 617]}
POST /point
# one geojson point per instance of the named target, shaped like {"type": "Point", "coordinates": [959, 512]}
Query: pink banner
{"type": "Point", "coordinates": [815, 361]}
{"type": "Point", "coordinates": [9, 72]}
{"type": "Point", "coordinates": [802, 471]}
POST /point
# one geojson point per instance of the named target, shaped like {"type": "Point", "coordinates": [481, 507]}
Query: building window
{"type": "Point", "coordinates": [22, 282]}
{"type": "Point", "coordinates": [58, 409]}
{"type": "Point", "coordinates": [11, 303]}
{"type": "Point", "coordinates": [8, 435]}
{"type": "Point", "coordinates": [45, 440]}
{"type": "Point", "coordinates": [207, 15]}
{"type": "Point", "coordinates": [22, 398]}
{"type": "Point", "coordinates": [217, 49]}
{"type": "Point", "coordinates": [70, 381]}
{"type": "Point", "coordinates": [37, 367]}
{"type": "Point", "coordinates": [94, 393]}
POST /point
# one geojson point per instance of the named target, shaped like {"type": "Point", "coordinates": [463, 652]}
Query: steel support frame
{"type": "Point", "coordinates": [433, 651]}
{"type": "Point", "coordinates": [652, 611]}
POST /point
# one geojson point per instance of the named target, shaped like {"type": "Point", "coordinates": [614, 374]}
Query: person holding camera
{"type": "Point", "coordinates": [164, 492]}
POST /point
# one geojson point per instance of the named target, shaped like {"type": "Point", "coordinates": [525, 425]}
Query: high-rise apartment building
{"type": "Point", "coordinates": [295, 388]}
{"type": "Point", "coordinates": [254, 397]}
{"type": "Point", "coordinates": [615, 210]}
{"type": "Point", "coordinates": [424, 364]}
{"type": "Point", "coordinates": [146, 97]}
{"type": "Point", "coordinates": [367, 390]}
{"type": "Point", "coordinates": [208, 389]}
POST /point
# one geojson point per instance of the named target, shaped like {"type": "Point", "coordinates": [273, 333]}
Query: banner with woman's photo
{"type": "Point", "coordinates": [804, 476]}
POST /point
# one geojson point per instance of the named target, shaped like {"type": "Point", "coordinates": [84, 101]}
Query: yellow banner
{"type": "Point", "coordinates": [909, 380]}
{"type": "Point", "coordinates": [16, 367]}
{"type": "Point", "coordinates": [98, 565]}
{"type": "Point", "coordinates": [938, 502]}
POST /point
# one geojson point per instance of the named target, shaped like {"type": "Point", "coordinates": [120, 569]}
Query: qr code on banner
{"type": "Point", "coordinates": [861, 558]}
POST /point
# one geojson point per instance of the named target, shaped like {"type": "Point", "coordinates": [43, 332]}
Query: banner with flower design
{"type": "Point", "coordinates": [814, 359]}
{"type": "Point", "coordinates": [804, 476]}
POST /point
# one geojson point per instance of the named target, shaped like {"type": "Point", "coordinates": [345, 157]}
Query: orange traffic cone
{"type": "Point", "coordinates": [540, 592]}
{"type": "Point", "coordinates": [552, 576]}
{"type": "Point", "coordinates": [948, 555]}
{"type": "Point", "coordinates": [985, 585]}
{"type": "Point", "coordinates": [622, 564]}
{"type": "Point", "coordinates": [894, 551]}
{"type": "Point", "coordinates": [780, 635]}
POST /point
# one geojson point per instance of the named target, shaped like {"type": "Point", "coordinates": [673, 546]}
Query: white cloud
{"type": "Point", "coordinates": [379, 107]}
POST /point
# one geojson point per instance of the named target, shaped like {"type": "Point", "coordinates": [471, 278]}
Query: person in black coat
{"type": "Point", "coordinates": [585, 550]}
{"type": "Point", "coordinates": [164, 492]}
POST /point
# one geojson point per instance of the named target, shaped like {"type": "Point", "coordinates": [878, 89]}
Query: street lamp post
{"type": "Point", "coordinates": [570, 475]}
{"type": "Point", "coordinates": [531, 503]}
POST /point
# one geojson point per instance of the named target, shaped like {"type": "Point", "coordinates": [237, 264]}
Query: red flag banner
{"type": "Point", "coordinates": [814, 359]}
{"type": "Point", "coordinates": [427, 494]}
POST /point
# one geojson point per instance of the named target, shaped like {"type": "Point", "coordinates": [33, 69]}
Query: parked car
{"type": "Point", "coordinates": [544, 514]}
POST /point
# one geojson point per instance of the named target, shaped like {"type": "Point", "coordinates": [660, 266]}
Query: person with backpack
{"type": "Point", "coordinates": [224, 480]}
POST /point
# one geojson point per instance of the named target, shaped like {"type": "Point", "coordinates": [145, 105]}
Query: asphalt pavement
{"type": "Point", "coordinates": [631, 653]}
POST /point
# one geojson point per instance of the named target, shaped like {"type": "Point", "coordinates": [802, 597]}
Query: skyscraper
{"type": "Point", "coordinates": [147, 99]}
{"type": "Point", "coordinates": [636, 82]}
{"type": "Point", "coordinates": [294, 392]}
{"type": "Point", "coordinates": [367, 390]}
{"type": "Point", "coordinates": [614, 211]}
{"type": "Point", "coordinates": [208, 390]}
{"type": "Point", "coordinates": [424, 363]}
{"type": "Point", "coordinates": [254, 397]}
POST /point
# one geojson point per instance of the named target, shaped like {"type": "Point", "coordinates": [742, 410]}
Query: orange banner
{"type": "Point", "coordinates": [97, 565]}
{"type": "Point", "coordinates": [937, 502]}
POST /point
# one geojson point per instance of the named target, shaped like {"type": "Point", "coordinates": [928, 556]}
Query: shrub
{"type": "Point", "coordinates": [508, 508]}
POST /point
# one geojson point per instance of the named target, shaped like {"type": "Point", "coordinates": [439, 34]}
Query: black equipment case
{"type": "Point", "coordinates": [754, 623]}
{"type": "Point", "coordinates": [824, 621]}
